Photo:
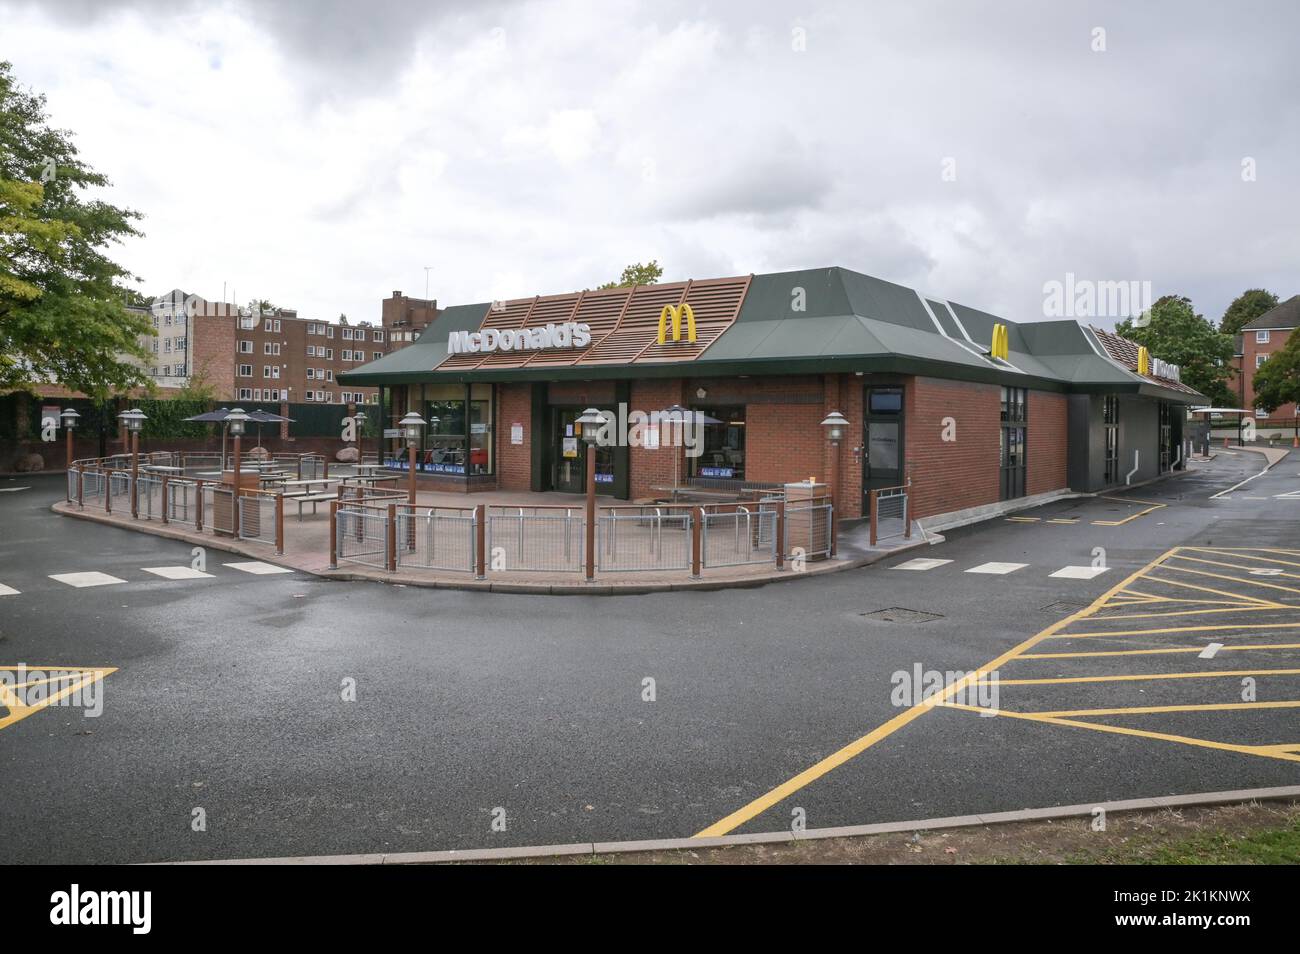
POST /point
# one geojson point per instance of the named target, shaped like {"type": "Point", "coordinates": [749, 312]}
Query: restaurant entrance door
{"type": "Point", "coordinates": [882, 440]}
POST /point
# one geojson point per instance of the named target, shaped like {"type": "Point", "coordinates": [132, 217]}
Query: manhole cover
{"type": "Point", "coordinates": [897, 614]}
{"type": "Point", "coordinates": [1063, 606]}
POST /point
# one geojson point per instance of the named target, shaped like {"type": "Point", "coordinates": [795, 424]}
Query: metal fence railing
{"type": "Point", "coordinates": [890, 514]}
{"type": "Point", "coordinates": [436, 538]}
{"type": "Point", "coordinates": [743, 536]}
{"type": "Point", "coordinates": [180, 497]}
{"type": "Point", "coordinates": [808, 529]}
{"type": "Point", "coordinates": [361, 535]}
{"type": "Point", "coordinates": [119, 490]}
{"type": "Point", "coordinates": [654, 539]}
{"type": "Point", "coordinates": [148, 497]}
{"type": "Point", "coordinates": [257, 517]}
{"type": "Point", "coordinates": [536, 538]}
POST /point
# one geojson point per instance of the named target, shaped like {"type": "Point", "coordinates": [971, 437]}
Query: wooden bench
{"type": "Point", "coordinates": [313, 499]}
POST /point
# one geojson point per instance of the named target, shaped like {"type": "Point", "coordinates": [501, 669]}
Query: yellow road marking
{"type": "Point", "coordinates": [1247, 556]}
{"type": "Point", "coordinates": [1127, 500]}
{"type": "Point", "coordinates": [1238, 597]}
{"type": "Point", "coordinates": [1064, 520]}
{"type": "Point", "coordinates": [1223, 576]}
{"type": "Point", "coordinates": [1201, 612]}
{"type": "Point", "coordinates": [1175, 629]}
{"type": "Point", "coordinates": [1139, 677]}
{"type": "Point", "coordinates": [1156, 652]}
{"type": "Point", "coordinates": [1023, 519]}
{"type": "Point", "coordinates": [1259, 750]}
{"type": "Point", "coordinates": [19, 710]}
{"type": "Point", "coordinates": [1242, 601]}
{"type": "Point", "coordinates": [1148, 710]}
{"type": "Point", "coordinates": [1273, 574]}
{"type": "Point", "coordinates": [883, 731]}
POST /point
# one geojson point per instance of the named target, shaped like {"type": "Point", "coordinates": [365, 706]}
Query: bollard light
{"type": "Point", "coordinates": [236, 420]}
{"type": "Point", "coordinates": [835, 423]}
{"type": "Point", "coordinates": [133, 419]}
{"type": "Point", "coordinates": [411, 425]}
{"type": "Point", "coordinates": [592, 421]}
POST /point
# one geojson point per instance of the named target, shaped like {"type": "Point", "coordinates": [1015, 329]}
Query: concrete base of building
{"type": "Point", "coordinates": [962, 518]}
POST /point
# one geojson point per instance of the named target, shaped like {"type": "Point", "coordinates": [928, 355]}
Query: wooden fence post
{"type": "Point", "coordinates": [334, 536]}
{"type": "Point", "coordinates": [480, 541]}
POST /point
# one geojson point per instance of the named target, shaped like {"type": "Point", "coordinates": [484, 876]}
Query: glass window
{"type": "Point", "coordinates": [458, 436]}
{"type": "Point", "coordinates": [723, 454]}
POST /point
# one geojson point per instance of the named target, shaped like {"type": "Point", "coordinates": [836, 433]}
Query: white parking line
{"type": "Point", "coordinates": [258, 567]}
{"type": "Point", "coordinates": [93, 578]}
{"type": "Point", "coordinates": [1209, 651]}
{"type": "Point", "coordinates": [8, 590]}
{"type": "Point", "coordinates": [920, 563]}
{"type": "Point", "coordinates": [997, 569]}
{"type": "Point", "coordinates": [177, 572]}
{"type": "Point", "coordinates": [1079, 572]}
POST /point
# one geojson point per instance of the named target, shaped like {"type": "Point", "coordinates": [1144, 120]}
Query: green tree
{"type": "Point", "coordinates": [62, 312]}
{"type": "Point", "coordinates": [1277, 381]}
{"type": "Point", "coordinates": [638, 274]}
{"type": "Point", "coordinates": [1172, 331]}
{"type": "Point", "coordinates": [1245, 308]}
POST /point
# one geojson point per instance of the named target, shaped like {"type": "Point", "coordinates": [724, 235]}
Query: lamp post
{"type": "Point", "coordinates": [835, 423]}
{"type": "Point", "coordinates": [235, 422]}
{"type": "Point", "coordinates": [591, 422]}
{"type": "Point", "coordinates": [359, 422]}
{"type": "Point", "coordinates": [411, 425]}
{"type": "Point", "coordinates": [69, 417]}
{"type": "Point", "coordinates": [134, 420]}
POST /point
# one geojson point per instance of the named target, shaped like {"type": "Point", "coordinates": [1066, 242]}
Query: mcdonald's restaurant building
{"type": "Point", "coordinates": [971, 409]}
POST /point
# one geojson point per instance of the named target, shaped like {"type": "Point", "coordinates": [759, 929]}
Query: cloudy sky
{"type": "Point", "coordinates": [323, 154]}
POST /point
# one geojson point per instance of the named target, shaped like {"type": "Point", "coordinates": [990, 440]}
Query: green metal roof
{"type": "Point", "coordinates": [823, 320]}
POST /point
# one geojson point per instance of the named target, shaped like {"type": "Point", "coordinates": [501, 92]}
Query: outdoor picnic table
{"type": "Point", "coordinates": [308, 481]}
{"type": "Point", "coordinates": [375, 478]}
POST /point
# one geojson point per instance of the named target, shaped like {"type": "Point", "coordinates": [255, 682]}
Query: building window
{"type": "Point", "coordinates": [461, 441]}
{"type": "Point", "coordinates": [1015, 414]}
{"type": "Point", "coordinates": [329, 354]}
{"type": "Point", "coordinates": [246, 394]}
{"type": "Point", "coordinates": [361, 334]}
{"type": "Point", "coordinates": [167, 370]}
{"type": "Point", "coordinates": [1110, 420]}
{"type": "Point", "coordinates": [266, 370]}
{"type": "Point", "coordinates": [1261, 337]}
{"type": "Point", "coordinates": [271, 347]}
{"type": "Point", "coordinates": [723, 455]}
{"type": "Point", "coordinates": [346, 334]}
{"type": "Point", "coordinates": [180, 344]}
{"type": "Point", "coordinates": [245, 370]}
{"type": "Point", "coordinates": [376, 355]}
{"type": "Point", "coordinates": [307, 395]}
{"type": "Point", "coordinates": [311, 351]}
{"type": "Point", "coordinates": [1259, 361]}
{"type": "Point", "coordinates": [379, 335]}
{"type": "Point", "coordinates": [329, 374]}
{"type": "Point", "coordinates": [245, 347]}
{"type": "Point", "coordinates": [329, 331]}
{"type": "Point", "coordinates": [347, 354]}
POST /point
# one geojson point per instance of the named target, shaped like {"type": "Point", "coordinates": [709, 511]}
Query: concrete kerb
{"type": "Point", "coordinates": [597, 588]}
{"type": "Point", "coordinates": [1196, 800]}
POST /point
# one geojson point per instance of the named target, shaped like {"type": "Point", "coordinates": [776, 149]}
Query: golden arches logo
{"type": "Point", "coordinates": [1001, 346]}
{"type": "Point", "coordinates": [675, 312]}
{"type": "Point", "coordinates": [1144, 361]}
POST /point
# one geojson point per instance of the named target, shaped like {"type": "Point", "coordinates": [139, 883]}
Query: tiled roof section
{"type": "Point", "coordinates": [1285, 314]}
{"type": "Point", "coordinates": [624, 324]}
{"type": "Point", "coordinates": [1126, 353]}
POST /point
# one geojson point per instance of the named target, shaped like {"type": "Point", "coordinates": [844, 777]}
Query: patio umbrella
{"type": "Point", "coordinates": [679, 415]}
{"type": "Point", "coordinates": [215, 417]}
{"type": "Point", "coordinates": [261, 417]}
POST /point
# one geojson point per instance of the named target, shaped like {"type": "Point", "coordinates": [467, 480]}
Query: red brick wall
{"type": "Point", "coordinates": [514, 465]}
{"type": "Point", "coordinates": [1047, 442]}
{"type": "Point", "coordinates": [1277, 338]}
{"type": "Point", "coordinates": [650, 468]}
{"type": "Point", "coordinates": [952, 475]}
{"type": "Point", "coordinates": [214, 353]}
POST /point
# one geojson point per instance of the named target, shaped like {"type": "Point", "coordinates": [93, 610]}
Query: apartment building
{"type": "Point", "coordinates": [1260, 339]}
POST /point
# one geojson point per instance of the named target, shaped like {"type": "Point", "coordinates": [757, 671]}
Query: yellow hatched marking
{"type": "Point", "coordinates": [1229, 609]}
{"type": "Point", "coordinates": [1251, 600]}
{"type": "Point", "coordinates": [1174, 629]}
{"type": "Point", "coordinates": [83, 676]}
{"type": "Point", "coordinates": [1156, 652]}
{"type": "Point", "coordinates": [1256, 581]}
{"type": "Point", "coordinates": [1141, 677]}
{"type": "Point", "coordinates": [1233, 566]}
{"type": "Point", "coordinates": [1056, 719]}
{"type": "Point", "coordinates": [1246, 556]}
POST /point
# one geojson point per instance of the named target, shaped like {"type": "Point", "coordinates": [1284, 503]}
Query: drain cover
{"type": "Point", "coordinates": [1063, 606]}
{"type": "Point", "coordinates": [897, 614]}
